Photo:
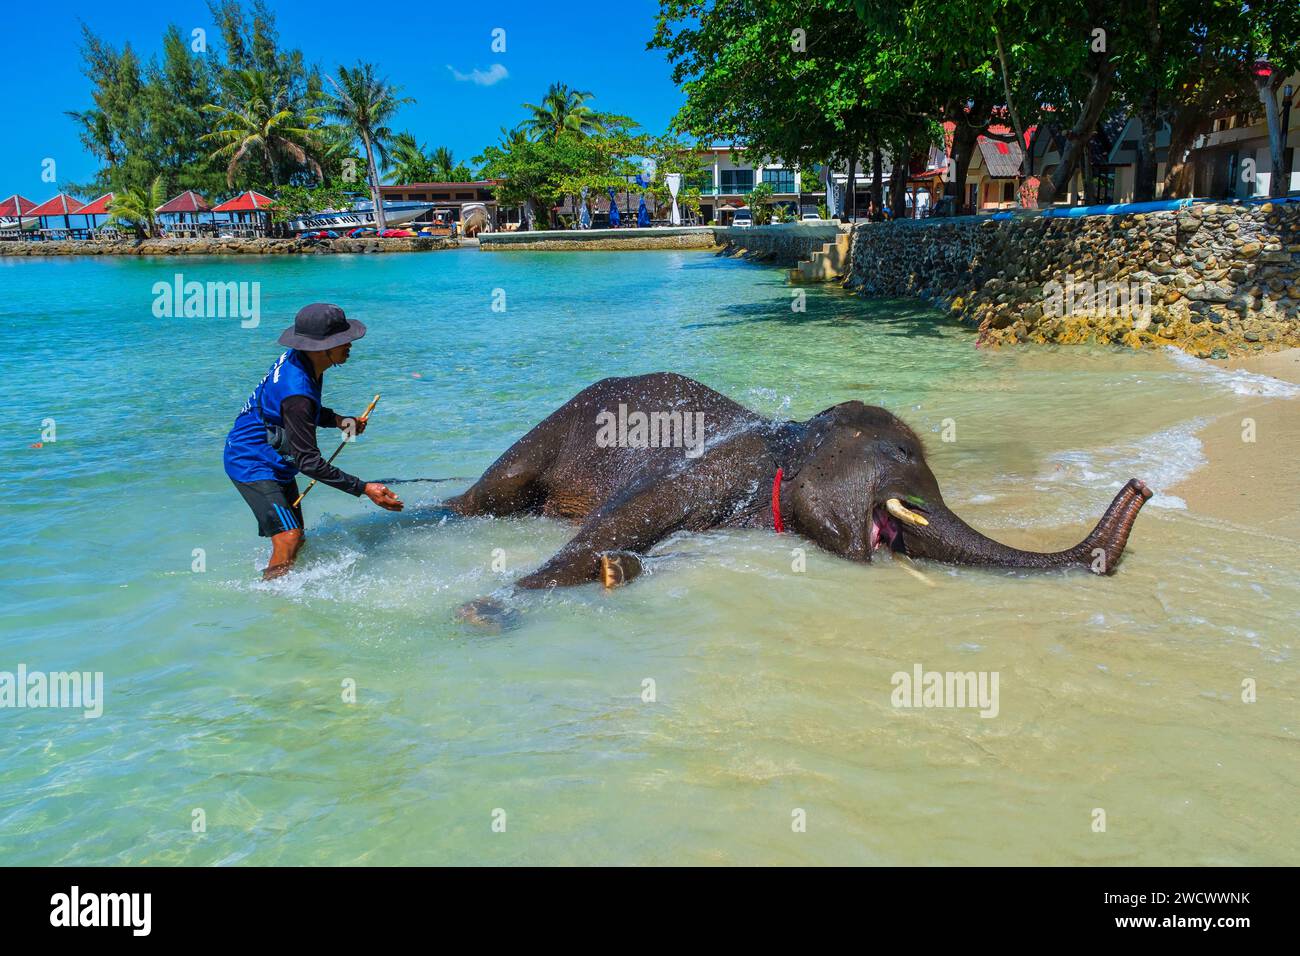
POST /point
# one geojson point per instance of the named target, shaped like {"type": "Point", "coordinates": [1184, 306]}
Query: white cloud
{"type": "Point", "coordinates": [489, 77]}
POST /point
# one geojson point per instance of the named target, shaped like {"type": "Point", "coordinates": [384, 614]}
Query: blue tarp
{"type": "Point", "coordinates": [1159, 205]}
{"type": "Point", "coordinates": [1118, 209]}
{"type": "Point", "coordinates": [613, 210]}
{"type": "Point", "coordinates": [642, 214]}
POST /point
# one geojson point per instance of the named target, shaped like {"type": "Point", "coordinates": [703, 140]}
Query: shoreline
{"type": "Point", "coordinates": [220, 247]}
{"type": "Point", "coordinates": [1251, 482]}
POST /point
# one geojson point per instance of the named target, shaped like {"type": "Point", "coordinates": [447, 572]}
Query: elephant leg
{"type": "Point", "coordinates": [609, 545]}
{"type": "Point", "coordinates": [513, 482]}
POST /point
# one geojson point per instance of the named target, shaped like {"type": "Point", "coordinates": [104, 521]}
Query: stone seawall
{"type": "Point", "coordinates": [1214, 279]}
{"type": "Point", "coordinates": [786, 244]}
{"type": "Point", "coordinates": [576, 240]}
{"type": "Point", "coordinates": [220, 247]}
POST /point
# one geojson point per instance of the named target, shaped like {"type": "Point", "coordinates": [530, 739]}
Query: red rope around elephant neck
{"type": "Point", "coordinates": [777, 523]}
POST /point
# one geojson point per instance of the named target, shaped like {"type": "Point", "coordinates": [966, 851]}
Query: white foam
{"type": "Point", "coordinates": [1162, 460]}
{"type": "Point", "coordinates": [1237, 381]}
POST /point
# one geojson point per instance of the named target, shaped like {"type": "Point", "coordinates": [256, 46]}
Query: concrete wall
{"type": "Point", "coordinates": [785, 244]}
{"type": "Point", "coordinates": [1212, 278]}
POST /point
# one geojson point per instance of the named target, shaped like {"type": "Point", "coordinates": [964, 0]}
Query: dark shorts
{"type": "Point", "coordinates": [272, 504]}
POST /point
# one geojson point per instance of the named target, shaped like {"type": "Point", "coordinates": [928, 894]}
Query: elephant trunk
{"type": "Point", "coordinates": [945, 537]}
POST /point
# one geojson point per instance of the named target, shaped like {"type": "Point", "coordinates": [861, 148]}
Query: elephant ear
{"type": "Point", "coordinates": [830, 490]}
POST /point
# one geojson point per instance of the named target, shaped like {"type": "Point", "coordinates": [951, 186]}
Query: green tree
{"type": "Point", "coordinates": [760, 201]}
{"type": "Point", "coordinates": [365, 104]}
{"type": "Point", "coordinates": [448, 169]}
{"type": "Point", "coordinates": [411, 162]}
{"type": "Point", "coordinates": [135, 207]}
{"type": "Point", "coordinates": [294, 202]}
{"type": "Point", "coordinates": [1275, 39]}
{"type": "Point", "coordinates": [264, 126]}
{"type": "Point", "coordinates": [147, 118]}
{"type": "Point", "coordinates": [562, 110]}
{"type": "Point", "coordinates": [808, 83]}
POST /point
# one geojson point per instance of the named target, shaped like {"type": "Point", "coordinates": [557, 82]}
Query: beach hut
{"type": "Point", "coordinates": [17, 208]}
{"type": "Point", "coordinates": [188, 203]}
{"type": "Point", "coordinates": [96, 208]}
{"type": "Point", "coordinates": [249, 207]}
{"type": "Point", "coordinates": [61, 205]}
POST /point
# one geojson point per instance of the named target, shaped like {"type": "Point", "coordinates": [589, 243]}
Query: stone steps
{"type": "Point", "coordinates": [828, 264]}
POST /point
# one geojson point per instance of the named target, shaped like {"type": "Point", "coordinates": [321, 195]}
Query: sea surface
{"type": "Point", "coordinates": [727, 707]}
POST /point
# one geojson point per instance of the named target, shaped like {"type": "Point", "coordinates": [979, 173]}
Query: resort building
{"type": "Point", "coordinates": [1230, 161]}
{"type": "Point", "coordinates": [992, 172]}
{"type": "Point", "coordinates": [449, 198]}
{"type": "Point", "coordinates": [1048, 142]}
{"type": "Point", "coordinates": [726, 180]}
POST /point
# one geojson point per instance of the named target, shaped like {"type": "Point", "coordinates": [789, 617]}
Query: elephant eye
{"type": "Point", "coordinates": [901, 454]}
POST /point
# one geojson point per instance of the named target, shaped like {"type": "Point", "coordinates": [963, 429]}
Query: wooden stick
{"type": "Point", "coordinates": [364, 416]}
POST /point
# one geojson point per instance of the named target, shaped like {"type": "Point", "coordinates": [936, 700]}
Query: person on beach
{"type": "Point", "coordinates": [274, 436]}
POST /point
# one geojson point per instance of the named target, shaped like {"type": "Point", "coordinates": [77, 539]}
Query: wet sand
{"type": "Point", "coordinates": [1252, 483]}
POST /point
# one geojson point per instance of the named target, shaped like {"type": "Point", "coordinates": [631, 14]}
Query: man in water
{"type": "Point", "coordinates": [274, 437]}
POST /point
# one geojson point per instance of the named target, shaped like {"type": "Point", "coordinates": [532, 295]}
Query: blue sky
{"type": "Point", "coordinates": [413, 47]}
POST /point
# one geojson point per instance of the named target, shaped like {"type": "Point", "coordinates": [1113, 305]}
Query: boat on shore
{"type": "Point", "coordinates": [361, 214]}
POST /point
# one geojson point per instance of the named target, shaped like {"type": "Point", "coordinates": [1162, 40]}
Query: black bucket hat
{"type": "Point", "coordinates": [321, 326]}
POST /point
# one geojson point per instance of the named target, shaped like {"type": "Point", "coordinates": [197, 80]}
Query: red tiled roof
{"type": "Point", "coordinates": [60, 205]}
{"type": "Point", "coordinates": [1000, 159]}
{"type": "Point", "coordinates": [245, 202]}
{"type": "Point", "coordinates": [188, 201]}
{"type": "Point", "coordinates": [96, 207]}
{"type": "Point", "coordinates": [11, 206]}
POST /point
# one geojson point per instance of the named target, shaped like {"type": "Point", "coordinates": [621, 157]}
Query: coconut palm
{"type": "Point", "coordinates": [410, 161]}
{"type": "Point", "coordinates": [509, 137]}
{"type": "Point", "coordinates": [447, 169]}
{"type": "Point", "coordinates": [562, 110]}
{"type": "Point", "coordinates": [366, 104]}
{"type": "Point", "coordinates": [135, 208]}
{"type": "Point", "coordinates": [445, 164]}
{"type": "Point", "coordinates": [263, 125]}
{"type": "Point", "coordinates": [336, 148]}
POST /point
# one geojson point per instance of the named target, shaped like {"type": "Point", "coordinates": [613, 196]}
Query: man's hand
{"type": "Point", "coordinates": [352, 427]}
{"type": "Point", "coordinates": [381, 496]}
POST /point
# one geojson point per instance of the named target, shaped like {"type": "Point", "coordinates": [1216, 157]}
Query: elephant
{"type": "Point", "coordinates": [633, 460]}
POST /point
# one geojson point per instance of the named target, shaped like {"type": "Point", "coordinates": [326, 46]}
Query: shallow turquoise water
{"type": "Point", "coordinates": [772, 687]}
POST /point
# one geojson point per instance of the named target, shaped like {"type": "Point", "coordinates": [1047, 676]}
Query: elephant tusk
{"type": "Point", "coordinates": [902, 513]}
{"type": "Point", "coordinates": [906, 565]}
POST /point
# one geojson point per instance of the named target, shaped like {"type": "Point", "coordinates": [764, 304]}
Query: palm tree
{"type": "Point", "coordinates": [366, 105]}
{"type": "Point", "coordinates": [263, 125]}
{"type": "Point", "coordinates": [410, 161]}
{"type": "Point", "coordinates": [135, 208]}
{"type": "Point", "coordinates": [336, 148]}
{"type": "Point", "coordinates": [444, 164]}
{"type": "Point", "coordinates": [562, 110]}
{"type": "Point", "coordinates": [509, 137]}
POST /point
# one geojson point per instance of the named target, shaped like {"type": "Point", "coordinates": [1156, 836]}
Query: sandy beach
{"type": "Point", "coordinates": [1245, 482]}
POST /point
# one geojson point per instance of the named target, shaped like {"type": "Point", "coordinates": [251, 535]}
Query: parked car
{"type": "Point", "coordinates": [743, 219]}
{"type": "Point", "coordinates": [810, 217]}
